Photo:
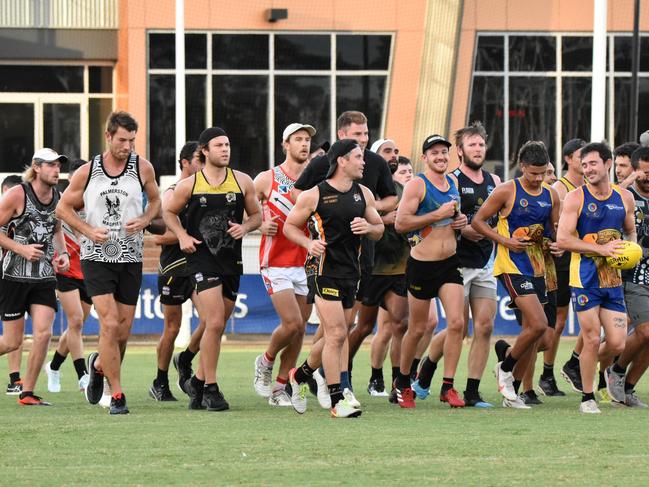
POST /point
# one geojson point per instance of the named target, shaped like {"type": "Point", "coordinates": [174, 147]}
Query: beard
{"type": "Point", "coordinates": [472, 165]}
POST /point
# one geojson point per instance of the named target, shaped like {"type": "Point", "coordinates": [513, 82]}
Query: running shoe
{"type": "Point", "coordinates": [505, 381]}
{"type": "Point", "coordinates": [451, 397]}
{"type": "Point", "coordinates": [422, 393]}
{"type": "Point", "coordinates": [53, 378]}
{"type": "Point", "coordinates": [280, 398]}
{"type": "Point", "coordinates": [95, 381]}
{"type": "Point", "coordinates": [32, 400]}
{"type": "Point", "coordinates": [474, 400]}
{"type": "Point", "coordinates": [213, 399]}
{"type": "Point", "coordinates": [83, 382]}
{"type": "Point", "coordinates": [393, 397]}
{"type": "Point", "coordinates": [118, 404]}
{"type": "Point", "coordinates": [376, 388]}
{"type": "Point", "coordinates": [348, 394]}
{"type": "Point", "coordinates": [195, 395]}
{"type": "Point", "coordinates": [548, 387]}
{"type": "Point", "coordinates": [161, 392]}
{"type": "Point", "coordinates": [324, 399]}
{"type": "Point", "coordinates": [589, 407]}
{"type": "Point", "coordinates": [615, 384]}
{"type": "Point", "coordinates": [185, 372]}
{"type": "Point", "coordinates": [344, 409]}
{"type": "Point", "coordinates": [633, 401]}
{"type": "Point", "coordinates": [572, 376]}
{"type": "Point", "coordinates": [515, 404]}
{"type": "Point", "coordinates": [15, 388]}
{"type": "Point", "coordinates": [298, 393]}
{"type": "Point", "coordinates": [530, 398]}
{"type": "Point", "coordinates": [406, 397]}
{"type": "Point", "coordinates": [263, 377]}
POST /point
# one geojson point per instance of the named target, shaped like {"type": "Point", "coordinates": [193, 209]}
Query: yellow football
{"type": "Point", "coordinates": [628, 258]}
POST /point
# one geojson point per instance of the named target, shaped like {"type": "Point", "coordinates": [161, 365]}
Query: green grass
{"type": "Point", "coordinates": [74, 443]}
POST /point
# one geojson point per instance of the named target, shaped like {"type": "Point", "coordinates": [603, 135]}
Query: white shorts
{"type": "Point", "coordinates": [479, 283]}
{"type": "Point", "coordinates": [278, 279]}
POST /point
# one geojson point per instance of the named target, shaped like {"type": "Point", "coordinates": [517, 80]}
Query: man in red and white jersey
{"type": "Point", "coordinates": [282, 265]}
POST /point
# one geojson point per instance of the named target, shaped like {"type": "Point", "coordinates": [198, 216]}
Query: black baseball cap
{"type": "Point", "coordinates": [571, 146]}
{"type": "Point", "coordinates": [339, 148]}
{"type": "Point", "coordinates": [209, 134]}
{"type": "Point", "coordinates": [432, 140]}
{"type": "Point", "coordinates": [324, 145]}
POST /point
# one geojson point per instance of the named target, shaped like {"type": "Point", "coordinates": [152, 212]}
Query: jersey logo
{"type": "Point", "coordinates": [582, 300]}
{"type": "Point", "coordinates": [230, 197]}
{"type": "Point", "coordinates": [523, 202]}
{"type": "Point", "coordinates": [112, 208]}
{"type": "Point", "coordinates": [330, 292]}
{"type": "Point", "coordinates": [282, 189]}
{"type": "Point", "coordinates": [614, 207]}
{"type": "Point", "coordinates": [490, 188]}
{"type": "Point", "coordinates": [357, 197]}
{"type": "Point", "coordinates": [592, 207]}
{"type": "Point", "coordinates": [544, 204]}
{"type": "Point", "coordinates": [467, 191]}
{"type": "Point", "coordinates": [203, 201]}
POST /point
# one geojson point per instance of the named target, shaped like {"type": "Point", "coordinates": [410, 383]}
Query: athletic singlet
{"type": "Point", "coordinates": [599, 221]}
{"type": "Point", "coordinates": [173, 261]}
{"type": "Point", "coordinates": [110, 202]}
{"type": "Point", "coordinates": [35, 225]}
{"type": "Point", "coordinates": [276, 250]}
{"type": "Point", "coordinates": [640, 273]}
{"type": "Point", "coordinates": [330, 222]}
{"type": "Point", "coordinates": [527, 218]}
{"type": "Point", "coordinates": [433, 198]}
{"type": "Point", "coordinates": [73, 249]}
{"type": "Point", "coordinates": [563, 262]}
{"type": "Point", "coordinates": [474, 255]}
{"type": "Point", "coordinates": [209, 210]}
{"type": "Point", "coordinates": [566, 182]}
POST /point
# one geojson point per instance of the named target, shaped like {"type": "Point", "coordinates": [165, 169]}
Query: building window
{"type": "Point", "coordinates": [539, 87]}
{"type": "Point", "coordinates": [254, 84]}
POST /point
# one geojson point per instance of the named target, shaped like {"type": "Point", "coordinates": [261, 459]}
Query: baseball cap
{"type": "Point", "coordinates": [377, 145]}
{"type": "Point", "coordinates": [209, 134]}
{"type": "Point", "coordinates": [432, 140]}
{"type": "Point", "coordinates": [571, 146]}
{"type": "Point", "coordinates": [339, 148]}
{"type": "Point", "coordinates": [644, 139]}
{"type": "Point", "coordinates": [48, 155]}
{"type": "Point", "coordinates": [325, 146]}
{"type": "Point", "coordinates": [294, 127]}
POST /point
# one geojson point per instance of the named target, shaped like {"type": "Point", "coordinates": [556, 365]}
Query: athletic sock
{"type": "Point", "coordinates": [24, 394]}
{"type": "Point", "coordinates": [280, 384]}
{"type": "Point", "coordinates": [344, 380]}
{"type": "Point", "coordinates": [186, 356]}
{"type": "Point", "coordinates": [57, 360]}
{"type": "Point", "coordinates": [80, 367]}
{"type": "Point", "coordinates": [587, 396]}
{"type": "Point", "coordinates": [335, 393]}
{"type": "Point", "coordinates": [197, 383]}
{"type": "Point", "coordinates": [509, 363]}
{"type": "Point", "coordinates": [517, 385]}
{"type": "Point", "coordinates": [548, 371]}
{"type": "Point", "coordinates": [501, 349]}
{"type": "Point", "coordinates": [628, 387]}
{"type": "Point", "coordinates": [426, 372]}
{"type": "Point", "coordinates": [601, 381]}
{"type": "Point", "coordinates": [162, 377]}
{"type": "Point", "coordinates": [267, 360]}
{"type": "Point", "coordinates": [214, 387]}
{"type": "Point", "coordinates": [377, 373]}
{"type": "Point", "coordinates": [472, 386]}
{"type": "Point", "coordinates": [574, 360]}
{"type": "Point", "coordinates": [395, 374]}
{"type": "Point", "coordinates": [403, 381]}
{"type": "Point", "coordinates": [14, 377]}
{"type": "Point", "coordinates": [303, 373]}
{"type": "Point", "coordinates": [618, 369]}
{"type": "Point", "coordinates": [447, 384]}
{"type": "Point", "coordinates": [414, 367]}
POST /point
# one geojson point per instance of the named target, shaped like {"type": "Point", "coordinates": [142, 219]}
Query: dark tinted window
{"type": "Point", "coordinates": [195, 51]}
{"type": "Point", "coordinates": [162, 51]}
{"type": "Point", "coordinates": [365, 94]}
{"type": "Point", "coordinates": [240, 51]}
{"type": "Point", "coordinates": [577, 53]}
{"type": "Point", "coordinates": [100, 79]}
{"type": "Point", "coordinates": [622, 103]}
{"type": "Point", "coordinates": [48, 79]}
{"type": "Point", "coordinates": [16, 136]}
{"type": "Point", "coordinates": [490, 54]}
{"type": "Point", "coordinates": [532, 53]}
{"type": "Point", "coordinates": [575, 121]}
{"type": "Point", "coordinates": [623, 52]}
{"type": "Point", "coordinates": [162, 123]}
{"type": "Point", "coordinates": [62, 128]}
{"type": "Point", "coordinates": [98, 111]}
{"type": "Point", "coordinates": [195, 87]}
{"type": "Point", "coordinates": [302, 51]}
{"type": "Point", "coordinates": [487, 106]}
{"type": "Point", "coordinates": [362, 52]}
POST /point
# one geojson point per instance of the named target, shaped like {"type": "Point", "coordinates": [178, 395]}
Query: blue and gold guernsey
{"type": "Point", "coordinates": [527, 219]}
{"type": "Point", "coordinates": [208, 212]}
{"type": "Point", "coordinates": [433, 198]}
{"type": "Point", "coordinates": [599, 221]}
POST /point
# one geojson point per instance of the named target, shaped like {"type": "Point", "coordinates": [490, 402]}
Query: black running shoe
{"type": "Point", "coordinates": [95, 388]}
{"type": "Point", "coordinates": [572, 376]}
{"type": "Point", "coordinates": [195, 395]}
{"type": "Point", "coordinates": [213, 399]}
{"type": "Point", "coordinates": [118, 405]}
{"type": "Point", "coordinates": [15, 388]}
{"type": "Point", "coordinates": [530, 398]}
{"type": "Point", "coordinates": [548, 387]}
{"type": "Point", "coordinates": [376, 388]}
{"type": "Point", "coordinates": [184, 372]}
{"type": "Point", "coordinates": [474, 400]}
{"type": "Point", "coordinates": [313, 386]}
{"type": "Point", "coordinates": [161, 392]}
{"type": "Point", "coordinates": [393, 397]}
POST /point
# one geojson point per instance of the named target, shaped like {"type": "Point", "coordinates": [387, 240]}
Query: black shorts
{"type": "Point", "coordinates": [379, 286]}
{"type": "Point", "coordinates": [522, 285]}
{"type": "Point", "coordinates": [332, 289]}
{"type": "Point", "coordinates": [550, 310]}
{"type": "Point", "coordinates": [17, 297]}
{"type": "Point", "coordinates": [563, 288]}
{"type": "Point", "coordinates": [66, 284]}
{"type": "Point", "coordinates": [175, 290]}
{"type": "Point", "coordinates": [203, 282]}
{"type": "Point", "coordinates": [121, 279]}
{"type": "Point", "coordinates": [364, 284]}
{"type": "Point", "coordinates": [426, 278]}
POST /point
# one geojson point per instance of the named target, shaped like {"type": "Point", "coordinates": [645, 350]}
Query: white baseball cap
{"type": "Point", "coordinates": [376, 146]}
{"type": "Point", "coordinates": [294, 127]}
{"type": "Point", "coordinates": [644, 138]}
{"type": "Point", "coordinates": [48, 155]}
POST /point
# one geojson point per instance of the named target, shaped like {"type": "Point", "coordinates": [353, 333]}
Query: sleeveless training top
{"type": "Point", "coordinates": [392, 251]}
{"type": "Point", "coordinates": [527, 218]}
{"type": "Point", "coordinates": [209, 210]}
{"type": "Point", "coordinates": [35, 225]}
{"type": "Point", "coordinates": [110, 202]}
{"type": "Point", "coordinates": [563, 263]}
{"type": "Point", "coordinates": [474, 255]}
{"type": "Point", "coordinates": [330, 222]}
{"type": "Point", "coordinates": [433, 198]}
{"type": "Point", "coordinates": [72, 247]}
{"type": "Point", "coordinates": [599, 221]}
{"type": "Point", "coordinates": [276, 250]}
{"type": "Point", "coordinates": [640, 273]}
{"type": "Point", "coordinates": [173, 261]}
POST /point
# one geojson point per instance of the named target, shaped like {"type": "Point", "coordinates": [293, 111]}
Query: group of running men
{"type": "Point", "coordinates": [353, 231]}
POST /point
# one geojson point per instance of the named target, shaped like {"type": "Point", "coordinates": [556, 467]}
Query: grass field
{"type": "Point", "coordinates": [74, 443]}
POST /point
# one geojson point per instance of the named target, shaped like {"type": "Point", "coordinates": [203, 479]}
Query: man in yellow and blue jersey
{"type": "Point", "coordinates": [593, 221]}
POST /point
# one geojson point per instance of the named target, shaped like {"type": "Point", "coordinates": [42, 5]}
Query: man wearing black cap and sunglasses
{"type": "Point", "coordinates": [338, 211]}
{"type": "Point", "coordinates": [215, 199]}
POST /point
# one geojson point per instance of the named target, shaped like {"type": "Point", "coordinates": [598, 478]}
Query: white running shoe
{"type": "Point", "coordinates": [263, 377]}
{"type": "Point", "coordinates": [298, 393]}
{"type": "Point", "coordinates": [53, 378]}
{"type": "Point", "coordinates": [83, 382]}
{"type": "Point", "coordinates": [348, 394]}
{"type": "Point", "coordinates": [323, 391]}
{"type": "Point", "coordinates": [345, 410]}
{"type": "Point", "coordinates": [517, 403]}
{"type": "Point", "coordinates": [280, 398]}
{"type": "Point", "coordinates": [107, 396]}
{"type": "Point", "coordinates": [505, 381]}
{"type": "Point", "coordinates": [589, 407]}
